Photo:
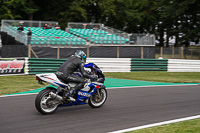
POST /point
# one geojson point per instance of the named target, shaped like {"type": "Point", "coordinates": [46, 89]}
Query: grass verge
{"type": "Point", "coordinates": [15, 84]}
{"type": "Point", "coordinates": [169, 77]}
{"type": "Point", "coordinates": [190, 126]}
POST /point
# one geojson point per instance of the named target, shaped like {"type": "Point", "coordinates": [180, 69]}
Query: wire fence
{"type": "Point", "coordinates": [142, 39]}
{"type": "Point", "coordinates": [178, 52]}
{"type": "Point", "coordinates": [10, 26]}
{"type": "Point", "coordinates": [107, 35]}
{"type": "Point", "coordinates": [27, 23]}
{"type": "Point", "coordinates": [75, 25]}
{"type": "Point", "coordinates": [19, 36]}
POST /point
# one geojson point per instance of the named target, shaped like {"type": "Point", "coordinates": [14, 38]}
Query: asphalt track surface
{"type": "Point", "coordinates": [125, 108]}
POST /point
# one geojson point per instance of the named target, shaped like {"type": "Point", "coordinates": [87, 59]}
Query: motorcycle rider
{"type": "Point", "coordinates": [67, 69]}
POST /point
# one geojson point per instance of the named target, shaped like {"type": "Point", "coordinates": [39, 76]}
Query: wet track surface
{"type": "Point", "coordinates": [125, 108]}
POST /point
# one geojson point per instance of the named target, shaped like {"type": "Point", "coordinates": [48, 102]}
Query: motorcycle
{"type": "Point", "coordinates": [49, 99]}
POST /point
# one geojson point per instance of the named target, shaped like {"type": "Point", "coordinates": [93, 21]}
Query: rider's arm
{"type": "Point", "coordinates": [83, 72]}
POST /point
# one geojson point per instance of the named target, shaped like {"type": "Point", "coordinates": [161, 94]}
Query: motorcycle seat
{"type": "Point", "coordinates": [62, 81]}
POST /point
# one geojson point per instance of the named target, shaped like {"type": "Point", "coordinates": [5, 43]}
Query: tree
{"type": "Point", "coordinates": [17, 9]}
{"type": "Point", "coordinates": [179, 18]}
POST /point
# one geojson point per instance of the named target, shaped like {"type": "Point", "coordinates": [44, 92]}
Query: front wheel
{"type": "Point", "coordinates": [98, 99]}
{"type": "Point", "coordinates": [44, 103]}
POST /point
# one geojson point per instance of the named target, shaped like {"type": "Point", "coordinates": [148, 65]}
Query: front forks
{"type": "Point", "coordinates": [99, 95]}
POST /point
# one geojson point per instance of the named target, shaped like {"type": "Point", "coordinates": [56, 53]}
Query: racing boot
{"type": "Point", "coordinates": [71, 94]}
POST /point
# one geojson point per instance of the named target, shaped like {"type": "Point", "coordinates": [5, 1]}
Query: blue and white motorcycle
{"type": "Point", "coordinates": [49, 99]}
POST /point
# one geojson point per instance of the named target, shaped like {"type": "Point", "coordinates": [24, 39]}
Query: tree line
{"type": "Point", "coordinates": [164, 18]}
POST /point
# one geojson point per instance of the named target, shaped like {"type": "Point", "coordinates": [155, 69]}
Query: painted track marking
{"type": "Point", "coordinates": [107, 88]}
{"type": "Point", "coordinates": [156, 124]}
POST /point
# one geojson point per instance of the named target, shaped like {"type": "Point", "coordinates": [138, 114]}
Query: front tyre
{"type": "Point", "coordinates": [44, 103]}
{"type": "Point", "coordinates": [97, 100]}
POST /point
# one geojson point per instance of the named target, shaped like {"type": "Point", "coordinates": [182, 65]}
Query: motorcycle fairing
{"type": "Point", "coordinates": [81, 99]}
{"type": "Point", "coordinates": [51, 78]}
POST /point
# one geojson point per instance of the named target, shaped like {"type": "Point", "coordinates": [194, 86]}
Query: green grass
{"type": "Point", "coordinates": [15, 84]}
{"type": "Point", "coordinates": [169, 77]}
{"type": "Point", "coordinates": [190, 126]}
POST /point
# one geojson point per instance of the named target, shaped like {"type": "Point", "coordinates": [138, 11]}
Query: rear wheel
{"type": "Point", "coordinates": [97, 100]}
{"type": "Point", "coordinates": [44, 103]}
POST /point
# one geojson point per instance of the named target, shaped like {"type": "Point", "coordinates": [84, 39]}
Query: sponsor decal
{"type": "Point", "coordinates": [83, 94]}
{"type": "Point", "coordinates": [49, 78]}
{"type": "Point", "coordinates": [11, 67]}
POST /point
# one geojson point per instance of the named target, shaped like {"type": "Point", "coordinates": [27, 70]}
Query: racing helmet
{"type": "Point", "coordinates": [80, 54]}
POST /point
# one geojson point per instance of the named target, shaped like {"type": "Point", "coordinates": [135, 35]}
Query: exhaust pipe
{"type": "Point", "coordinates": [86, 101]}
{"type": "Point", "coordinates": [54, 96]}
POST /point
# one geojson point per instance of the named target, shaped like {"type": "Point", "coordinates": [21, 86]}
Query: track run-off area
{"type": "Point", "coordinates": [135, 105]}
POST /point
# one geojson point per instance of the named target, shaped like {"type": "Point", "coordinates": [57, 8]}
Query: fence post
{"type": "Point", "coordinates": [58, 52]}
{"type": "Point", "coordinates": [34, 53]}
{"type": "Point", "coordinates": [117, 51]}
{"type": "Point", "coordinates": [161, 51]}
{"type": "Point", "coordinates": [29, 50]}
{"type": "Point", "coordinates": [142, 53]}
{"type": "Point", "coordinates": [88, 51]}
{"type": "Point", "coordinates": [199, 53]}
{"type": "Point", "coordinates": [40, 24]}
{"type": "Point", "coordinates": [182, 52]}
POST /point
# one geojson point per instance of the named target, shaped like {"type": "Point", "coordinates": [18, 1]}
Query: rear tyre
{"type": "Point", "coordinates": [97, 101]}
{"type": "Point", "coordinates": [44, 103]}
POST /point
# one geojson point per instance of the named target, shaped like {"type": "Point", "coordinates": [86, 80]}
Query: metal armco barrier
{"type": "Point", "coordinates": [112, 64]}
{"type": "Point", "coordinates": [149, 65]}
{"type": "Point", "coordinates": [48, 65]}
{"type": "Point", "coordinates": [181, 65]}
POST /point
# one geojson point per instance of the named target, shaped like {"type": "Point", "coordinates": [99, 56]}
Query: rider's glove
{"type": "Point", "coordinates": [94, 77]}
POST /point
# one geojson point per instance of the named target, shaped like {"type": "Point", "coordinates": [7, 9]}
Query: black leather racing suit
{"type": "Point", "coordinates": [67, 69]}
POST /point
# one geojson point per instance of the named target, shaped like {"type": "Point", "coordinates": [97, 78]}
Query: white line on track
{"type": "Point", "coordinates": [18, 95]}
{"type": "Point", "coordinates": [151, 86]}
{"type": "Point", "coordinates": [156, 124]}
{"type": "Point", "coordinates": [107, 88]}
{"type": "Point", "coordinates": [12, 74]}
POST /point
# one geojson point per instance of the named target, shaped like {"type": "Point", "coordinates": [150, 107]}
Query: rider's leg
{"type": "Point", "coordinates": [80, 82]}
{"type": "Point", "coordinates": [72, 78]}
